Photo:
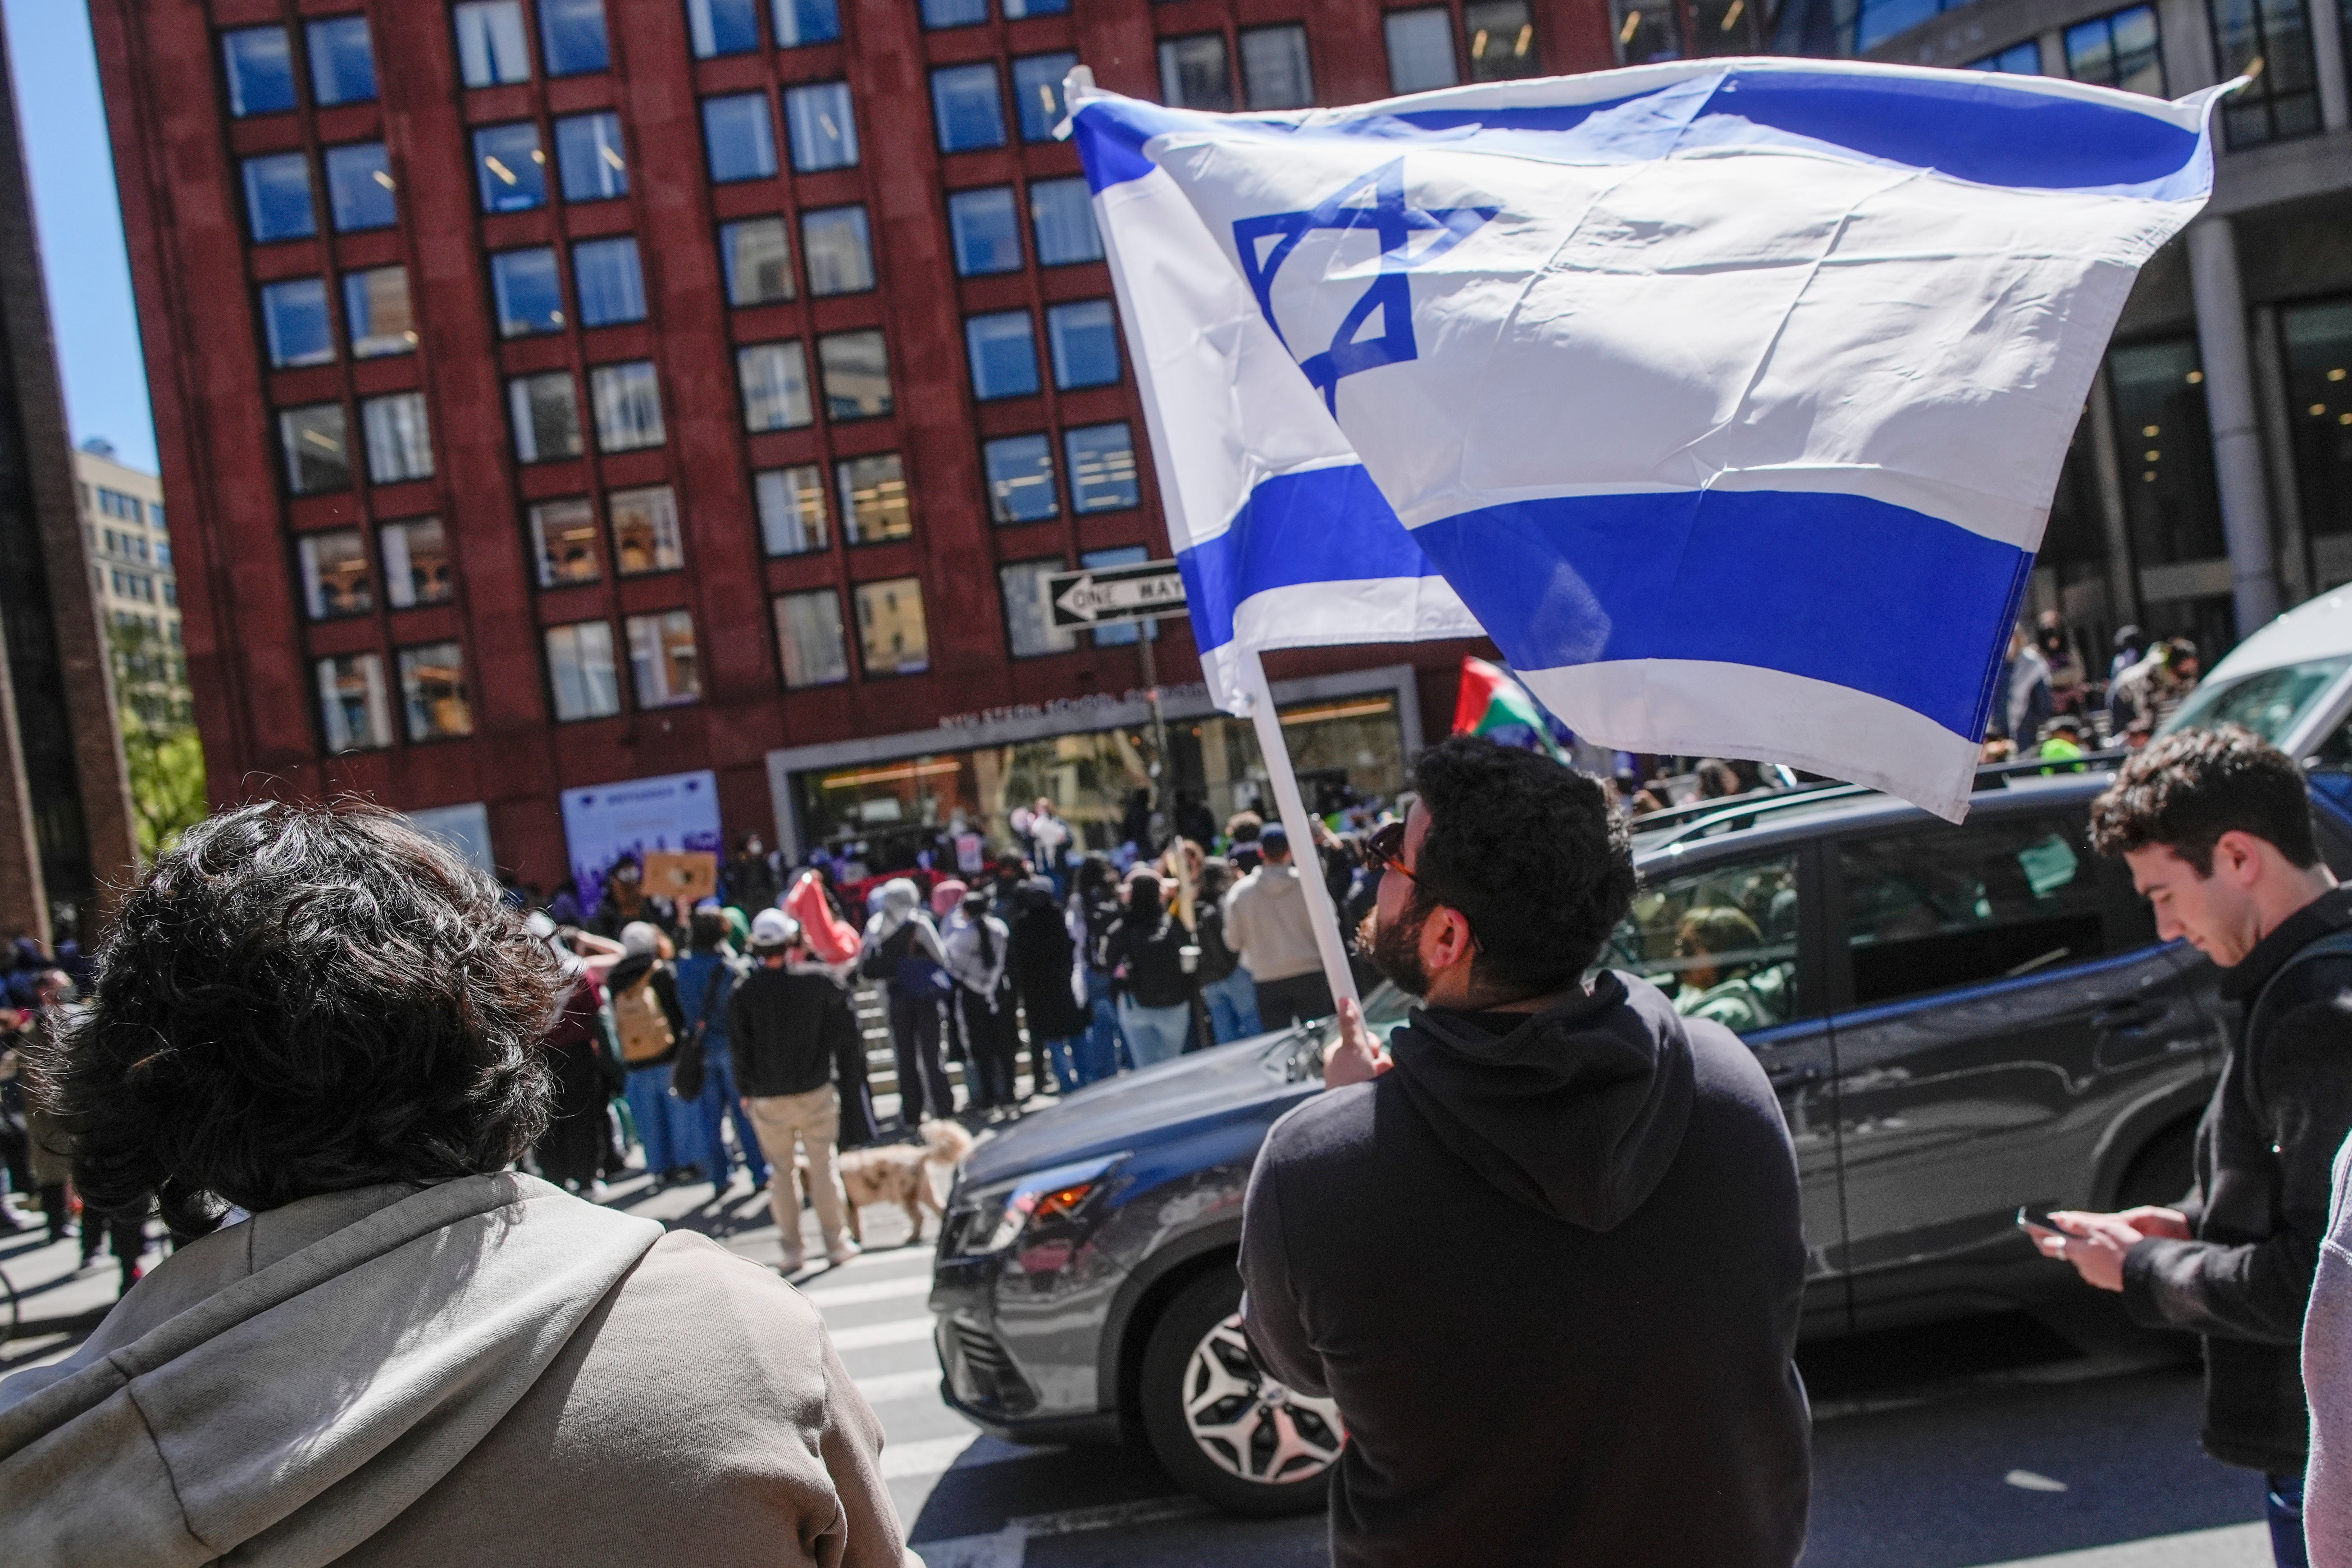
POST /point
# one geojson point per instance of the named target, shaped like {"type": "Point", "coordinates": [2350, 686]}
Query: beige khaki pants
{"type": "Point", "coordinates": [814, 1121]}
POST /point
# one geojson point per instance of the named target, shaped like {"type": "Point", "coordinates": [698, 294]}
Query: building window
{"type": "Point", "coordinates": [966, 108]}
{"type": "Point", "coordinates": [627, 399]}
{"type": "Point", "coordinates": [376, 309]}
{"type": "Point", "coordinates": [360, 188]}
{"type": "Point", "coordinates": [564, 543]}
{"type": "Point", "coordinates": [605, 274]}
{"type": "Point", "coordinates": [399, 437]}
{"type": "Point", "coordinates": [662, 660]}
{"type": "Point", "coordinates": [1421, 50]}
{"type": "Point", "coordinates": [546, 410]}
{"type": "Point", "coordinates": [342, 61]}
{"type": "Point", "coordinates": [874, 502]}
{"type": "Point", "coordinates": [716, 27]}
{"type": "Point", "coordinates": [791, 509]}
{"type": "Point", "coordinates": [580, 668]}
{"type": "Point", "coordinates": [351, 703]}
{"type": "Point", "coordinates": [891, 637]}
{"type": "Point", "coordinates": [318, 448]}
{"type": "Point", "coordinates": [1028, 622]}
{"type": "Point", "coordinates": [644, 530]}
{"type": "Point", "coordinates": [800, 22]}
{"type": "Point", "coordinates": [2121, 49]}
{"type": "Point", "coordinates": [432, 692]}
{"type": "Point", "coordinates": [774, 380]}
{"type": "Point", "coordinates": [1002, 347]}
{"type": "Point", "coordinates": [1193, 73]}
{"type": "Point", "coordinates": [1502, 37]}
{"type": "Point", "coordinates": [738, 137]}
{"type": "Point", "coordinates": [809, 639]}
{"type": "Point", "coordinates": [571, 33]}
{"type": "Point", "coordinates": [590, 158]}
{"type": "Point", "coordinates": [1037, 94]}
{"type": "Point", "coordinates": [2271, 38]}
{"type": "Point", "coordinates": [1016, 9]}
{"type": "Point", "coordinates": [2017, 59]}
{"type": "Point", "coordinates": [954, 13]}
{"type": "Point", "coordinates": [2318, 342]}
{"type": "Point", "coordinates": [294, 323]}
{"type": "Point", "coordinates": [1274, 70]}
{"type": "Point", "coordinates": [528, 298]}
{"type": "Point", "coordinates": [416, 567]}
{"type": "Point", "coordinates": [1648, 30]}
{"type": "Point", "coordinates": [491, 50]}
{"type": "Point", "coordinates": [335, 578]}
{"type": "Point", "coordinates": [840, 252]}
{"type": "Point", "coordinates": [1085, 342]}
{"type": "Point", "coordinates": [510, 167]}
{"type": "Point", "coordinates": [260, 67]}
{"type": "Point", "coordinates": [855, 370]}
{"type": "Point", "coordinates": [1879, 20]}
{"type": "Point", "coordinates": [757, 256]}
{"type": "Point", "coordinates": [278, 198]}
{"type": "Point", "coordinates": [985, 231]}
{"type": "Point", "coordinates": [824, 134]}
{"type": "Point", "coordinates": [1062, 215]}
{"type": "Point", "coordinates": [1102, 467]}
{"type": "Point", "coordinates": [2165, 449]}
{"type": "Point", "coordinates": [1020, 479]}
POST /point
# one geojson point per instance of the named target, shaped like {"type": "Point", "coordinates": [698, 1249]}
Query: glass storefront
{"type": "Point", "coordinates": [2318, 344]}
{"type": "Point", "coordinates": [1345, 750]}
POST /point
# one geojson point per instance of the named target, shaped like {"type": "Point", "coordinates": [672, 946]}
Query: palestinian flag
{"type": "Point", "coordinates": [1494, 705]}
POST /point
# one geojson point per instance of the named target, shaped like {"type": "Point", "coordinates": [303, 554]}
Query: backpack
{"type": "Point", "coordinates": [645, 1034]}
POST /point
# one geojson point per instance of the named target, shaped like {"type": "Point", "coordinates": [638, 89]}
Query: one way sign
{"type": "Point", "coordinates": [1091, 598]}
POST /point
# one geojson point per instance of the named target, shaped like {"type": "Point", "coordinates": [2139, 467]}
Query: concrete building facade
{"type": "Point", "coordinates": [132, 578]}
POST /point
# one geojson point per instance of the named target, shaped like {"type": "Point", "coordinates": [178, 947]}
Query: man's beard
{"type": "Point", "coordinates": [1396, 950]}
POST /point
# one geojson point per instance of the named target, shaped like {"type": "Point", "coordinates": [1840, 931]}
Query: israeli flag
{"type": "Point", "coordinates": [1728, 397]}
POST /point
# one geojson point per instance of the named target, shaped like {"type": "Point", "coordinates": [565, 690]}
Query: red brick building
{"type": "Point", "coordinates": [555, 393]}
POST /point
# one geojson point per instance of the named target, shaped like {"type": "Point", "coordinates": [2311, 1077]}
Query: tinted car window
{"type": "Point", "coordinates": [1940, 906]}
{"type": "Point", "coordinates": [1721, 942]}
{"type": "Point", "coordinates": [2268, 702]}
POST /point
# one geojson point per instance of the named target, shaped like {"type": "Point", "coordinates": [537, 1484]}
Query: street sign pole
{"type": "Point", "coordinates": [1123, 596]}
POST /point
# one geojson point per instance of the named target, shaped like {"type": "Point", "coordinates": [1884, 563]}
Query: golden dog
{"type": "Point", "coordinates": [900, 1173]}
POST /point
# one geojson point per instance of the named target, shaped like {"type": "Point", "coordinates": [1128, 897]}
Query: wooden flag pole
{"type": "Point", "coordinates": [1304, 856]}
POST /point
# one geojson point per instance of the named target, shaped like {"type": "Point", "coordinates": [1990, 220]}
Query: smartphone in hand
{"type": "Point", "coordinates": [2036, 1216]}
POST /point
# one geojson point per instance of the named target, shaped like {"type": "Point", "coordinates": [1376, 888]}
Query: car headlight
{"type": "Point", "coordinates": [994, 1216]}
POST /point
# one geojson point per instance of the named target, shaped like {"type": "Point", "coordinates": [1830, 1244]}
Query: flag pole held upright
{"type": "Point", "coordinates": [1300, 827]}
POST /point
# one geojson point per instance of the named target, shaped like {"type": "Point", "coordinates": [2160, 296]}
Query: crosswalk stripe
{"type": "Point", "coordinates": [896, 1331]}
{"type": "Point", "coordinates": [878, 1291]}
{"type": "Point", "coordinates": [889, 1387]}
{"type": "Point", "coordinates": [937, 1456]}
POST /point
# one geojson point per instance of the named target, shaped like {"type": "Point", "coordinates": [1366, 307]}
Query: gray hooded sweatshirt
{"type": "Point", "coordinates": [484, 1371]}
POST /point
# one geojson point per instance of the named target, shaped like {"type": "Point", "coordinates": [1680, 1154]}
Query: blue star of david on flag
{"type": "Point", "coordinates": [1396, 222]}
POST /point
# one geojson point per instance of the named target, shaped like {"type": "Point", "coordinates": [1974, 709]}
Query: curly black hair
{"type": "Point", "coordinates": [2187, 790]}
{"type": "Point", "coordinates": [1533, 853]}
{"type": "Point", "coordinates": [302, 999]}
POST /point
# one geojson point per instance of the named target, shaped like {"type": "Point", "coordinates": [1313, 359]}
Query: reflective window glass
{"type": "Point", "coordinates": [573, 34]}
{"type": "Point", "coordinates": [294, 322]}
{"type": "Point", "coordinates": [336, 580]}
{"type": "Point", "coordinates": [1421, 50]}
{"type": "Point", "coordinates": [1020, 479]}
{"type": "Point", "coordinates": [529, 297]}
{"type": "Point", "coordinates": [1649, 30]}
{"type": "Point", "coordinates": [1016, 9]}
{"type": "Point", "coordinates": [809, 639]}
{"type": "Point", "coordinates": [824, 134]}
{"type": "Point", "coordinates": [627, 400]}
{"type": "Point", "coordinates": [1062, 215]}
{"type": "Point", "coordinates": [644, 530]}
{"type": "Point", "coordinates": [739, 138]}
{"type": "Point", "coordinates": [757, 256]}
{"type": "Point", "coordinates": [802, 22]}
{"type": "Point", "coordinates": [317, 444]}
{"type": "Point", "coordinates": [715, 27]}
{"type": "Point", "coordinates": [590, 157]}
{"type": "Point", "coordinates": [581, 670]}
{"type": "Point", "coordinates": [353, 709]}
{"type": "Point", "coordinates": [2172, 503]}
{"type": "Point", "coordinates": [986, 231]}
{"type": "Point", "coordinates": [967, 109]}
{"type": "Point", "coordinates": [1274, 69]}
{"type": "Point", "coordinates": [1028, 622]}
{"type": "Point", "coordinates": [1721, 942]}
{"type": "Point", "coordinates": [2017, 59]}
{"type": "Point", "coordinates": [278, 198]}
{"type": "Point", "coordinates": [1502, 38]}
{"type": "Point", "coordinates": [1003, 348]}
{"type": "Point", "coordinates": [791, 509]}
{"type": "Point", "coordinates": [1193, 73]}
{"type": "Point", "coordinates": [840, 252]}
{"type": "Point", "coordinates": [891, 637]}
{"type": "Point", "coordinates": [2122, 49]}
{"type": "Point", "coordinates": [432, 692]}
{"type": "Point", "coordinates": [416, 566]}
{"type": "Point", "coordinates": [342, 61]}
{"type": "Point", "coordinates": [492, 48]}
{"type": "Point", "coordinates": [662, 660]}
{"type": "Point", "coordinates": [399, 437]}
{"type": "Point", "coordinates": [1085, 342]}
{"type": "Point", "coordinates": [359, 187]}
{"type": "Point", "coordinates": [611, 287]}
{"type": "Point", "coordinates": [260, 67]}
{"type": "Point", "coordinates": [510, 167]}
{"type": "Point", "coordinates": [546, 413]}
{"type": "Point", "coordinates": [855, 370]}
{"type": "Point", "coordinates": [2317, 336]}
{"type": "Point", "coordinates": [774, 381]}
{"type": "Point", "coordinates": [1102, 467]}
{"type": "Point", "coordinates": [564, 543]}
{"type": "Point", "coordinates": [874, 502]}
{"type": "Point", "coordinates": [2269, 40]}
{"type": "Point", "coordinates": [377, 310]}
{"type": "Point", "coordinates": [954, 13]}
{"type": "Point", "coordinates": [1037, 94]}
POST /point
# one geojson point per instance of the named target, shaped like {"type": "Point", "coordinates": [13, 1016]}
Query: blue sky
{"type": "Point", "coordinates": [81, 221]}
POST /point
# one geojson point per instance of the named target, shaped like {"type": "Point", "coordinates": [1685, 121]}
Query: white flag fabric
{"type": "Point", "coordinates": [1728, 397]}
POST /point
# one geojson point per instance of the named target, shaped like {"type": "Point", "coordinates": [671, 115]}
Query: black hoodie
{"type": "Point", "coordinates": [1551, 1267]}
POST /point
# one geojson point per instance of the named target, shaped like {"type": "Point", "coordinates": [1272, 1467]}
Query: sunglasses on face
{"type": "Point", "coordinates": [1383, 849]}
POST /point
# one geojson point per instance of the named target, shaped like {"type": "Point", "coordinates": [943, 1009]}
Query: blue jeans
{"type": "Point", "coordinates": [670, 1127]}
{"type": "Point", "coordinates": [1098, 1046]}
{"type": "Point", "coordinates": [1061, 1058]}
{"type": "Point", "coordinates": [2283, 1506]}
{"type": "Point", "coordinates": [1155, 1034]}
{"type": "Point", "coordinates": [1232, 1007]}
{"type": "Point", "coordinates": [721, 1100]}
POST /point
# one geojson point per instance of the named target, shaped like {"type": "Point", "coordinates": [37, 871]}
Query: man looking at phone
{"type": "Point", "coordinates": [1550, 1263]}
{"type": "Point", "coordinates": [2216, 829]}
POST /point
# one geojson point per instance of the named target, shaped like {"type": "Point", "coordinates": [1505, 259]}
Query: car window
{"type": "Point", "coordinates": [1935, 908]}
{"type": "Point", "coordinates": [2330, 766]}
{"type": "Point", "coordinates": [2268, 702]}
{"type": "Point", "coordinates": [1722, 941]}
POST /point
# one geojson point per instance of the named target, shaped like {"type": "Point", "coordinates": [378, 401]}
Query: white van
{"type": "Point", "coordinates": [2290, 683]}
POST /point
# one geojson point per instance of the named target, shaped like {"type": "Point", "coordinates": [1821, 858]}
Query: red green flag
{"type": "Point", "coordinates": [1492, 704]}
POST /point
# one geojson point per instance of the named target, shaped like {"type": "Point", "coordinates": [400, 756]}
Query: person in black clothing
{"type": "Point", "coordinates": [576, 1150]}
{"type": "Point", "coordinates": [752, 876]}
{"type": "Point", "coordinates": [977, 946]}
{"type": "Point", "coordinates": [1598, 1369]}
{"type": "Point", "coordinates": [902, 950]}
{"type": "Point", "coordinates": [1142, 953]}
{"type": "Point", "coordinates": [1227, 993]}
{"type": "Point", "coordinates": [1042, 962]}
{"type": "Point", "coordinates": [1096, 908]}
{"type": "Point", "coordinates": [787, 1026]}
{"type": "Point", "coordinates": [2216, 826]}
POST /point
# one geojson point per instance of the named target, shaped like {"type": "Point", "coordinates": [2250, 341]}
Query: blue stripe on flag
{"type": "Point", "coordinates": [1326, 525]}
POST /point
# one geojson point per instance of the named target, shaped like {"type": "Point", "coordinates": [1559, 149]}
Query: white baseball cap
{"type": "Point", "coordinates": [772, 928]}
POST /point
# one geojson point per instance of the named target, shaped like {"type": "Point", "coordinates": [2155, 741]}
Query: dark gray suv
{"type": "Point", "coordinates": [1959, 1020]}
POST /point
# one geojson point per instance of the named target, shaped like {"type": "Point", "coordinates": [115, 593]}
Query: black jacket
{"type": "Point", "coordinates": [1550, 1269]}
{"type": "Point", "coordinates": [1040, 957]}
{"type": "Point", "coordinates": [787, 1029]}
{"type": "Point", "coordinates": [2260, 1209]}
{"type": "Point", "coordinates": [1150, 956]}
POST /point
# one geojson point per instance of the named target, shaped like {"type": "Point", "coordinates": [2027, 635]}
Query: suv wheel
{"type": "Point", "coordinates": [1223, 1429]}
